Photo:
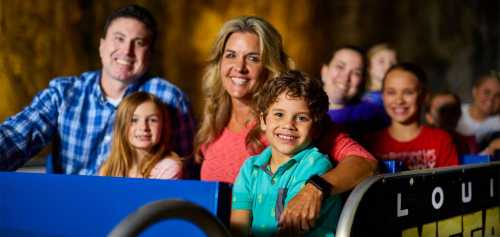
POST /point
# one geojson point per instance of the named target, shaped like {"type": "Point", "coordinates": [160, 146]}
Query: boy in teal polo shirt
{"type": "Point", "coordinates": [292, 107]}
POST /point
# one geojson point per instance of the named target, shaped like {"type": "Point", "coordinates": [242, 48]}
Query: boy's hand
{"type": "Point", "coordinates": [302, 211]}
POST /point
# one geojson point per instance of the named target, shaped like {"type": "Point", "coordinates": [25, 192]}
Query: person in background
{"type": "Point", "coordinates": [76, 113]}
{"type": "Point", "coordinates": [247, 52]}
{"type": "Point", "coordinates": [380, 58]}
{"type": "Point", "coordinates": [480, 118]}
{"type": "Point", "coordinates": [442, 110]}
{"type": "Point", "coordinates": [292, 108]}
{"type": "Point", "coordinates": [343, 79]}
{"type": "Point", "coordinates": [419, 146]}
{"type": "Point", "coordinates": [142, 144]}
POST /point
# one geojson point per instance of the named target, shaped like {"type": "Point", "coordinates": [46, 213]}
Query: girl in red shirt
{"type": "Point", "coordinates": [419, 146]}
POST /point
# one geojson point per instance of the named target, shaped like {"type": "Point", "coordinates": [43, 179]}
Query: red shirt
{"type": "Point", "coordinates": [432, 148]}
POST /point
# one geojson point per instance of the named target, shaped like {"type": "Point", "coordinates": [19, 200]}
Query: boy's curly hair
{"type": "Point", "coordinates": [295, 84]}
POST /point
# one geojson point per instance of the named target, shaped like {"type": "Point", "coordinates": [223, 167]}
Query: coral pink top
{"type": "Point", "coordinates": [224, 157]}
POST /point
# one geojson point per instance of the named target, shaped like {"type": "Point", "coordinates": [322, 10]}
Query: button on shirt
{"type": "Point", "coordinates": [74, 115]}
{"type": "Point", "coordinates": [266, 194]}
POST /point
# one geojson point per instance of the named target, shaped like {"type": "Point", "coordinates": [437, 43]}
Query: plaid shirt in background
{"type": "Point", "coordinates": [74, 114]}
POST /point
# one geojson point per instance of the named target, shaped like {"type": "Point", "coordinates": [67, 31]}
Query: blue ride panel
{"type": "Point", "coordinates": [392, 166]}
{"type": "Point", "coordinates": [474, 159]}
{"type": "Point", "coordinates": [42, 205]}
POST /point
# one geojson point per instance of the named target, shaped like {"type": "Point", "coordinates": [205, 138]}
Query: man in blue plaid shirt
{"type": "Point", "coordinates": [77, 113]}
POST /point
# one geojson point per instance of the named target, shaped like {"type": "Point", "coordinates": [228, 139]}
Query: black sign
{"type": "Point", "coordinates": [462, 201]}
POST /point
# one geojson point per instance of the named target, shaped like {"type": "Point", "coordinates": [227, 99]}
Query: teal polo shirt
{"type": "Point", "coordinates": [266, 194]}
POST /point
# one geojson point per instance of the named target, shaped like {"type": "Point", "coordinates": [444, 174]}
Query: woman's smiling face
{"type": "Point", "coordinates": [241, 65]}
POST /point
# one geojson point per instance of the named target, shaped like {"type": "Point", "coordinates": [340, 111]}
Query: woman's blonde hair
{"type": "Point", "coordinates": [123, 156]}
{"type": "Point", "coordinates": [217, 108]}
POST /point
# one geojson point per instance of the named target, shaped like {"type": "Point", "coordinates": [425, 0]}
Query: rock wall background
{"type": "Point", "coordinates": [40, 39]}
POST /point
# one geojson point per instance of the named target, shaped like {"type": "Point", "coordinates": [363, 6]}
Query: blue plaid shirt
{"type": "Point", "coordinates": [75, 116]}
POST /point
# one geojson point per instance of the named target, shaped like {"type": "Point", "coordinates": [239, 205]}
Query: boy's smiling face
{"type": "Point", "coordinates": [288, 125]}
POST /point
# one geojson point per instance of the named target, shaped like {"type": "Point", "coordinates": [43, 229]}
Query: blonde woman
{"type": "Point", "coordinates": [247, 52]}
{"type": "Point", "coordinates": [237, 66]}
